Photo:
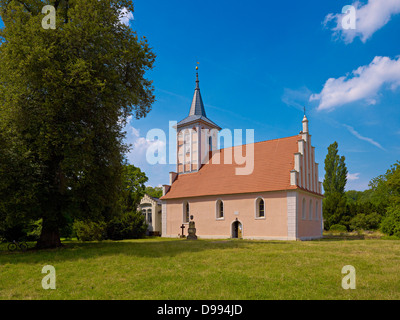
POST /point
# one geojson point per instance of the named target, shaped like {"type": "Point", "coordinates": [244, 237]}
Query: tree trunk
{"type": "Point", "coordinates": [49, 237]}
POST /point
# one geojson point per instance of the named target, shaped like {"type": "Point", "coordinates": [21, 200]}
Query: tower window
{"type": "Point", "coordinates": [187, 143]}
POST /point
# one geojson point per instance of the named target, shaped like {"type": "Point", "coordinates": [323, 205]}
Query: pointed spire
{"type": "Point", "coordinates": [197, 112]}
{"type": "Point", "coordinates": [197, 108]}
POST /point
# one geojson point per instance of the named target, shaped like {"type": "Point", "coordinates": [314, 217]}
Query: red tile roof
{"type": "Point", "coordinates": [273, 161]}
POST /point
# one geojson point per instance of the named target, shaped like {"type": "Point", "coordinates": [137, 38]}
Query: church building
{"type": "Point", "coordinates": [280, 200]}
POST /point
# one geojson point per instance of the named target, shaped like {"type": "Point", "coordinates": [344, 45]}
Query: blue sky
{"type": "Point", "coordinates": [261, 61]}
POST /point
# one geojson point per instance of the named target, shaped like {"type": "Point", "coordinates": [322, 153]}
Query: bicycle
{"type": "Point", "coordinates": [15, 244]}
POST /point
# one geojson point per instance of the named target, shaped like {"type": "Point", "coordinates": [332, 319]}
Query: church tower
{"type": "Point", "coordinates": [196, 136]}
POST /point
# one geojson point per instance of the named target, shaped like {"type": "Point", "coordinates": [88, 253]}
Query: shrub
{"type": "Point", "coordinates": [338, 228]}
{"type": "Point", "coordinates": [90, 230]}
{"type": "Point", "coordinates": [136, 226]}
{"type": "Point", "coordinates": [391, 223]}
{"type": "Point", "coordinates": [115, 230]}
{"type": "Point", "coordinates": [131, 226]}
{"type": "Point", "coordinates": [365, 221]}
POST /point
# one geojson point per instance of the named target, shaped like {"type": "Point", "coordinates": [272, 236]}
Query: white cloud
{"type": "Point", "coordinates": [126, 16]}
{"type": "Point", "coordinates": [370, 18]}
{"type": "Point", "coordinates": [359, 136]}
{"type": "Point", "coordinates": [135, 132]}
{"type": "Point", "coordinates": [140, 145]}
{"type": "Point", "coordinates": [362, 84]}
{"type": "Point", "coordinates": [353, 176]}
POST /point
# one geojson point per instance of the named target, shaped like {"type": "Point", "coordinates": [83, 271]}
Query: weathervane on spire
{"type": "Point", "coordinates": [197, 76]}
{"type": "Point", "coordinates": [304, 110]}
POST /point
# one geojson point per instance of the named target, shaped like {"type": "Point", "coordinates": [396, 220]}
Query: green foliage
{"type": "Point", "coordinates": [155, 192]}
{"type": "Point", "coordinates": [359, 197]}
{"type": "Point", "coordinates": [131, 226]}
{"type": "Point", "coordinates": [65, 95]}
{"type": "Point", "coordinates": [362, 214]}
{"type": "Point", "coordinates": [335, 210]}
{"type": "Point", "coordinates": [393, 184]}
{"type": "Point", "coordinates": [363, 221]}
{"type": "Point", "coordinates": [387, 190]}
{"type": "Point", "coordinates": [33, 230]}
{"type": "Point", "coordinates": [24, 230]}
{"type": "Point", "coordinates": [133, 187]}
{"type": "Point", "coordinates": [379, 204]}
{"type": "Point", "coordinates": [334, 204]}
{"type": "Point", "coordinates": [338, 228]}
{"type": "Point", "coordinates": [391, 223]}
{"type": "Point", "coordinates": [67, 230]}
{"type": "Point", "coordinates": [379, 190]}
{"type": "Point", "coordinates": [335, 171]}
{"type": "Point", "coordinates": [90, 230]}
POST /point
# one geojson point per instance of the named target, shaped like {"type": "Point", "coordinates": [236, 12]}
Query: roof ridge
{"type": "Point", "coordinates": [258, 142]}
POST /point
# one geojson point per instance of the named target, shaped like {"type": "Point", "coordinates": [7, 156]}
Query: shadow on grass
{"type": "Point", "coordinates": [153, 248]}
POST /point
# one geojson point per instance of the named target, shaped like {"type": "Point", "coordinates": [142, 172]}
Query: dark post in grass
{"type": "Point", "coordinates": [183, 227]}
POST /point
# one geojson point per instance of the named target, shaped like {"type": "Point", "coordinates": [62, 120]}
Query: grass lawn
{"type": "Point", "coordinates": [176, 269]}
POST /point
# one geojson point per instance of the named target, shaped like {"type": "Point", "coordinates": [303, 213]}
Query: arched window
{"type": "Point", "coordinates": [303, 209]}
{"type": "Point", "coordinates": [186, 212]}
{"type": "Point", "coordinates": [220, 209]}
{"type": "Point", "coordinates": [149, 218]}
{"type": "Point", "coordinates": [310, 212]}
{"type": "Point", "coordinates": [316, 211]}
{"type": "Point", "coordinates": [260, 208]}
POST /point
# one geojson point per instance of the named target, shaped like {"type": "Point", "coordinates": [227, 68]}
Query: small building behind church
{"type": "Point", "coordinates": [280, 200]}
{"type": "Point", "coordinates": [150, 207]}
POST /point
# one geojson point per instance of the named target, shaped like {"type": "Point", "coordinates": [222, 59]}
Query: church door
{"type": "Point", "coordinates": [236, 230]}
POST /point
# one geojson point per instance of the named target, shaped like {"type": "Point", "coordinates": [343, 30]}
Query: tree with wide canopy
{"type": "Point", "coordinates": [65, 96]}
